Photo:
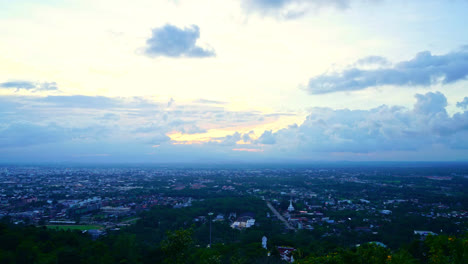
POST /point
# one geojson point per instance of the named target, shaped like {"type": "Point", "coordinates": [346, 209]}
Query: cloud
{"type": "Point", "coordinates": [186, 127]}
{"type": "Point", "coordinates": [192, 129]}
{"type": "Point", "coordinates": [247, 137]}
{"type": "Point", "coordinates": [81, 101]}
{"type": "Point", "coordinates": [373, 60]}
{"type": "Point", "coordinates": [381, 129]}
{"type": "Point", "coordinates": [112, 120]}
{"type": "Point", "coordinates": [171, 101]}
{"type": "Point", "coordinates": [423, 70]}
{"type": "Point", "coordinates": [231, 140]}
{"type": "Point", "coordinates": [109, 117]}
{"type": "Point", "coordinates": [128, 128]}
{"type": "Point", "coordinates": [290, 9]}
{"type": "Point", "coordinates": [18, 85]}
{"type": "Point", "coordinates": [22, 134]}
{"type": "Point", "coordinates": [158, 139]}
{"type": "Point", "coordinates": [30, 86]}
{"type": "Point", "coordinates": [430, 103]}
{"type": "Point", "coordinates": [267, 138]}
{"type": "Point", "coordinates": [48, 86]}
{"type": "Point", "coordinates": [463, 104]}
{"type": "Point", "coordinates": [247, 150]}
{"type": "Point", "coordinates": [171, 41]}
{"type": "Point", "coordinates": [205, 101]}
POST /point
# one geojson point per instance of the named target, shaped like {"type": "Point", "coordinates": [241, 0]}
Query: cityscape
{"type": "Point", "coordinates": [233, 132]}
{"type": "Point", "coordinates": [349, 205]}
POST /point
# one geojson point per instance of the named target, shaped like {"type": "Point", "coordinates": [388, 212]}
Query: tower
{"type": "Point", "coordinates": [291, 207]}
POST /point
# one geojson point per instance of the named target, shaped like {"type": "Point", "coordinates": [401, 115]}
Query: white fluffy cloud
{"type": "Point", "coordinates": [385, 128]}
{"type": "Point", "coordinates": [172, 41]}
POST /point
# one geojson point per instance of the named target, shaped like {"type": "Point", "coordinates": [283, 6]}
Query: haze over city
{"type": "Point", "coordinates": [233, 81]}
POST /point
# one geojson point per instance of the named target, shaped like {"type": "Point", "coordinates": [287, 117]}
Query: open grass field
{"type": "Point", "coordinates": [73, 227]}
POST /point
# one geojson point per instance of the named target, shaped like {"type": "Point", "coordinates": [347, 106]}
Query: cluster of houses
{"type": "Point", "coordinates": [245, 220]}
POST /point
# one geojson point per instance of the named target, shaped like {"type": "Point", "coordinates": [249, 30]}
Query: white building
{"type": "Point", "coordinates": [264, 242]}
{"type": "Point", "coordinates": [291, 207]}
{"type": "Point", "coordinates": [243, 222]}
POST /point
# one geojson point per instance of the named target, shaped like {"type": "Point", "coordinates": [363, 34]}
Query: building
{"type": "Point", "coordinates": [290, 207]}
{"type": "Point", "coordinates": [424, 234]}
{"type": "Point", "coordinates": [386, 212]}
{"type": "Point", "coordinates": [286, 253]}
{"type": "Point", "coordinates": [264, 242]}
{"type": "Point", "coordinates": [243, 222]}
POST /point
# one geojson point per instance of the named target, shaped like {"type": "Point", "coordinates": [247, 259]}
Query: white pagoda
{"type": "Point", "coordinates": [290, 207]}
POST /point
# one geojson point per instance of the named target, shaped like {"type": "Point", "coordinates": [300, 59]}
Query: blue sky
{"type": "Point", "coordinates": [233, 81]}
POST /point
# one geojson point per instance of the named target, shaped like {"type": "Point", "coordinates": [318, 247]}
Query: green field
{"type": "Point", "coordinates": [73, 227]}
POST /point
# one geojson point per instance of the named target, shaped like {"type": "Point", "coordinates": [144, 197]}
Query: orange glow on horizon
{"type": "Point", "coordinates": [216, 134]}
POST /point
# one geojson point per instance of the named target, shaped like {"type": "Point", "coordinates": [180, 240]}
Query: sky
{"type": "Point", "coordinates": [209, 81]}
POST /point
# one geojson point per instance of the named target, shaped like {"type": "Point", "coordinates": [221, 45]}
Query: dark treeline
{"type": "Point", "coordinates": [29, 244]}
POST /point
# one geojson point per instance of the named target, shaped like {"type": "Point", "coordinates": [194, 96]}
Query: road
{"type": "Point", "coordinates": [130, 220]}
{"type": "Point", "coordinates": [280, 217]}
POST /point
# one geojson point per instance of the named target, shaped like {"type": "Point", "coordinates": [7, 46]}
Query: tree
{"type": "Point", "coordinates": [402, 257]}
{"type": "Point", "coordinates": [373, 254]}
{"type": "Point", "coordinates": [125, 248]}
{"type": "Point", "coordinates": [176, 247]}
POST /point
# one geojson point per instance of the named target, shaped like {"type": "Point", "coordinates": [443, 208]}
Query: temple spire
{"type": "Point", "coordinates": [291, 207]}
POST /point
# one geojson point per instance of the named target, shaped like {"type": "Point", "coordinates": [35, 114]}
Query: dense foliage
{"type": "Point", "coordinates": [28, 244]}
